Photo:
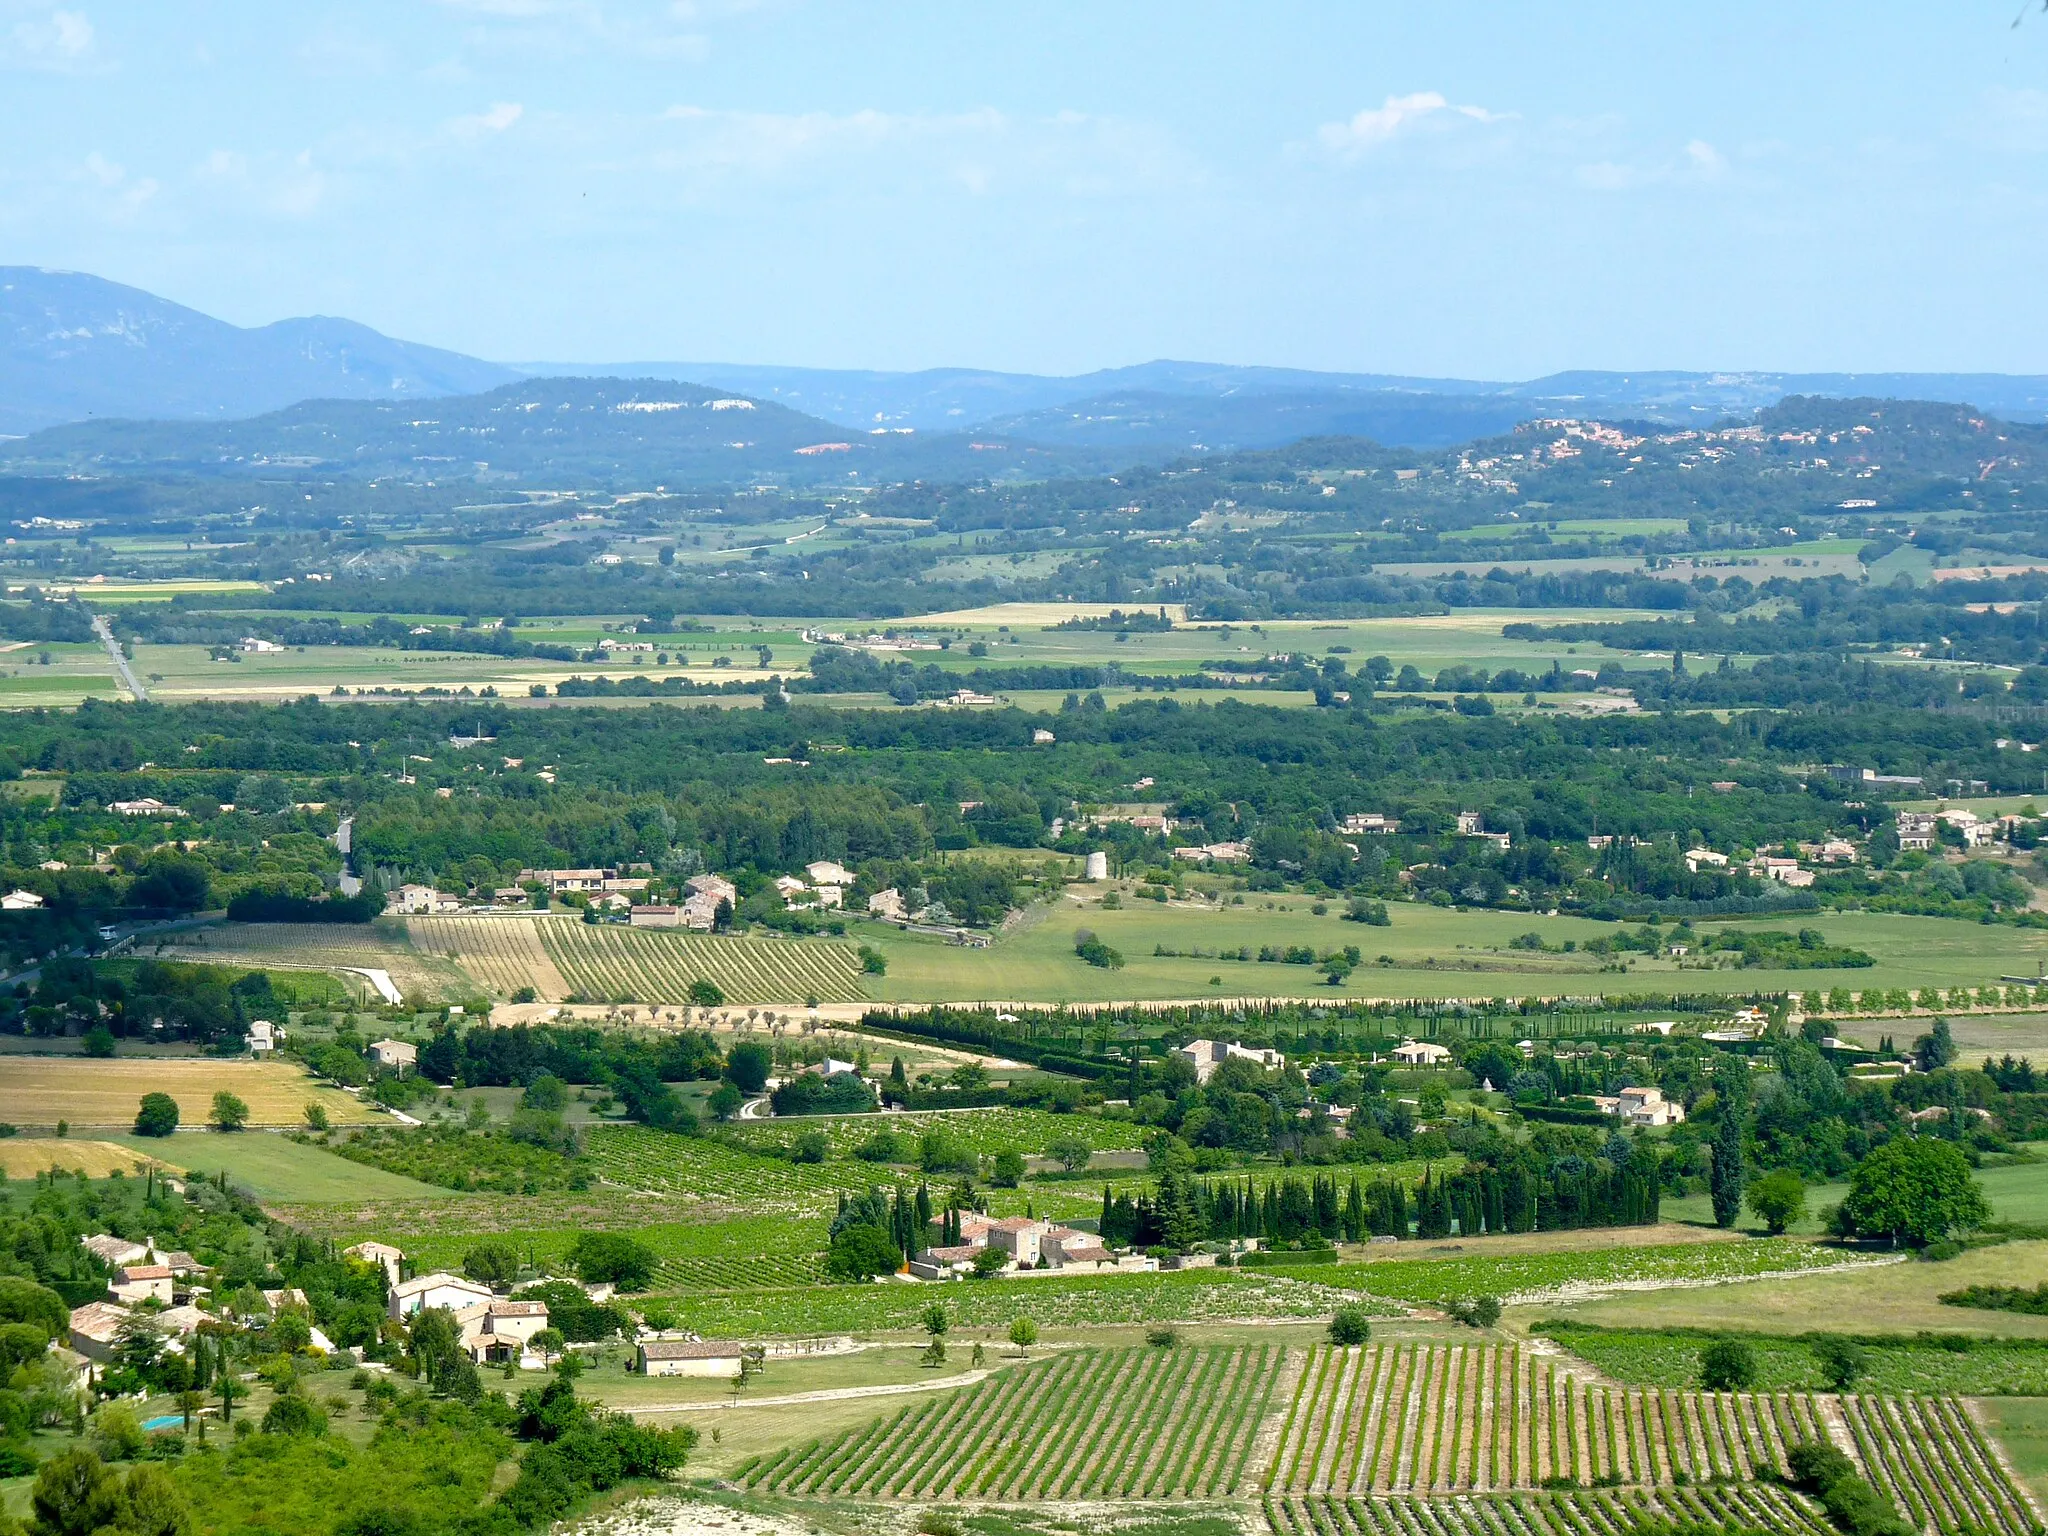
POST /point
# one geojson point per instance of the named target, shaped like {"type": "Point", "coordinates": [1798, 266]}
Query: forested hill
{"type": "Point", "coordinates": [622, 432]}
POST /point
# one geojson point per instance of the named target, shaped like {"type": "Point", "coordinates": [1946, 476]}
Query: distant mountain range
{"type": "Point", "coordinates": [79, 348]}
{"type": "Point", "coordinates": [626, 432]}
{"type": "Point", "coordinates": [76, 348]}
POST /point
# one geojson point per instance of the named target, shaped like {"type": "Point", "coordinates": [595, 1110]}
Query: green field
{"type": "Point", "coordinates": [273, 1167]}
{"type": "Point", "coordinates": [1436, 952]}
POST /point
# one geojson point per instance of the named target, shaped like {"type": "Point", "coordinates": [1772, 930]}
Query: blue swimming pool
{"type": "Point", "coordinates": [164, 1421]}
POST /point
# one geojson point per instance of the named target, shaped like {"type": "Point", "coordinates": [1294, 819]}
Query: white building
{"type": "Point", "coordinates": [147, 806]}
{"type": "Point", "coordinates": [824, 872]}
{"type": "Point", "coordinates": [1640, 1106]}
{"type": "Point", "coordinates": [1421, 1053]}
{"type": "Point", "coordinates": [387, 1258]}
{"type": "Point", "coordinates": [1205, 1056]}
{"type": "Point", "coordinates": [439, 1289]}
{"type": "Point", "coordinates": [654, 917]}
{"type": "Point", "coordinates": [1372, 823]}
{"type": "Point", "coordinates": [888, 903]}
{"type": "Point", "coordinates": [395, 1054]}
{"type": "Point", "coordinates": [495, 1331]}
{"type": "Point", "coordinates": [262, 1036]}
{"type": "Point", "coordinates": [20, 901]}
{"type": "Point", "coordinates": [418, 899]}
{"type": "Point", "coordinates": [689, 1357]}
{"type": "Point", "coordinates": [1098, 866]}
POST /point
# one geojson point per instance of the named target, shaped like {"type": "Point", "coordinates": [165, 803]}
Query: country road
{"type": "Point", "coordinates": [123, 673]}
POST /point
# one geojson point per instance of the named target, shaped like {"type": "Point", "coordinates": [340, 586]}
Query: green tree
{"type": "Point", "coordinates": [157, 1116]}
{"type": "Point", "coordinates": [747, 1066]}
{"type": "Point", "coordinates": [1841, 1362]}
{"type": "Point", "coordinates": [1007, 1171]}
{"type": "Point", "coordinates": [725, 1101]}
{"type": "Point", "coordinates": [1727, 1365]}
{"type": "Point", "coordinates": [1935, 1049]}
{"type": "Point", "coordinates": [1916, 1190]}
{"type": "Point", "coordinates": [492, 1263]}
{"type": "Point", "coordinates": [229, 1112]}
{"type": "Point", "coordinates": [1778, 1198]}
{"type": "Point", "coordinates": [1350, 1326]}
{"type": "Point", "coordinates": [625, 1261]}
{"type": "Point", "coordinates": [1023, 1334]}
{"type": "Point", "coordinates": [1725, 1175]}
{"type": "Point", "coordinates": [1070, 1151]}
{"type": "Point", "coordinates": [862, 1251]}
{"type": "Point", "coordinates": [75, 1494]}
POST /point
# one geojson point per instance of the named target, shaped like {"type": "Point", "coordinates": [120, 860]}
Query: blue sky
{"type": "Point", "coordinates": [1480, 190]}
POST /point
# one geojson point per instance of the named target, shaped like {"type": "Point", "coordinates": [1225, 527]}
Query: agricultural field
{"type": "Point", "coordinates": [1526, 1278]}
{"type": "Point", "coordinates": [739, 1253]}
{"type": "Point", "coordinates": [1444, 1419]}
{"type": "Point", "coordinates": [607, 963]}
{"type": "Point", "coordinates": [275, 1167]}
{"type": "Point", "coordinates": [1441, 1420]}
{"type": "Point", "coordinates": [700, 1169]}
{"type": "Point", "coordinates": [982, 1131]}
{"type": "Point", "coordinates": [1056, 1301]}
{"type": "Point", "coordinates": [1897, 1298]}
{"type": "Point", "coordinates": [1425, 952]}
{"type": "Point", "coordinates": [41, 1090]}
{"type": "Point", "coordinates": [23, 1157]}
{"type": "Point", "coordinates": [1947, 1363]}
{"type": "Point", "coordinates": [1616, 1512]}
{"type": "Point", "coordinates": [502, 954]}
{"type": "Point", "coordinates": [1121, 1424]}
{"type": "Point", "coordinates": [334, 947]}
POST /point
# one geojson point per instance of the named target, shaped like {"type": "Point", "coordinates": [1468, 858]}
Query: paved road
{"type": "Point", "coordinates": [122, 671]}
{"type": "Point", "coordinates": [344, 834]}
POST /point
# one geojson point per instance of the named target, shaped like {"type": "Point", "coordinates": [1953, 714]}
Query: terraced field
{"type": "Point", "coordinates": [607, 963]}
{"type": "Point", "coordinates": [1122, 1424]}
{"type": "Point", "coordinates": [500, 953]}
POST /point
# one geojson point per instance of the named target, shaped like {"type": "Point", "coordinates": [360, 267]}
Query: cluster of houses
{"type": "Point", "coordinates": [1028, 1245]}
{"type": "Point", "coordinates": [164, 1286]}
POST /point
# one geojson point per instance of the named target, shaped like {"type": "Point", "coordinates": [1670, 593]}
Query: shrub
{"type": "Point", "coordinates": [1727, 1365]}
{"type": "Point", "coordinates": [1779, 1198]}
{"type": "Point", "coordinates": [1350, 1326]}
{"type": "Point", "coordinates": [229, 1112]}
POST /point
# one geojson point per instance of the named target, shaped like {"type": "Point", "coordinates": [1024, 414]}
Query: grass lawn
{"type": "Point", "coordinates": [2021, 1427]}
{"type": "Point", "coordinates": [1436, 952]}
{"type": "Point", "coordinates": [272, 1167]}
{"type": "Point", "coordinates": [1896, 1297]}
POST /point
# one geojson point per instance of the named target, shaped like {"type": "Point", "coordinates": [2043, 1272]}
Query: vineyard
{"type": "Point", "coordinates": [1435, 1419]}
{"type": "Point", "coordinates": [501, 954]}
{"type": "Point", "coordinates": [981, 1131]}
{"type": "Point", "coordinates": [1124, 1424]}
{"type": "Point", "coordinates": [1054, 1301]}
{"type": "Point", "coordinates": [1616, 1512]}
{"type": "Point", "coordinates": [606, 963]}
{"type": "Point", "coordinates": [700, 1169]}
{"type": "Point", "coordinates": [1530, 1277]}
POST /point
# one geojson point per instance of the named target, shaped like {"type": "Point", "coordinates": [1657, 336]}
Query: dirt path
{"type": "Point", "coordinates": [830, 1395]}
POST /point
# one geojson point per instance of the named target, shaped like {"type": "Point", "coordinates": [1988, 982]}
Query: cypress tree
{"type": "Point", "coordinates": [1725, 1177]}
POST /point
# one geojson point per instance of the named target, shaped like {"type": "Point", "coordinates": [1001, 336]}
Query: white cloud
{"type": "Point", "coordinates": [496, 118]}
{"type": "Point", "coordinates": [55, 40]}
{"type": "Point", "coordinates": [1705, 159]}
{"type": "Point", "coordinates": [1374, 126]}
{"type": "Point", "coordinates": [1696, 163]}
